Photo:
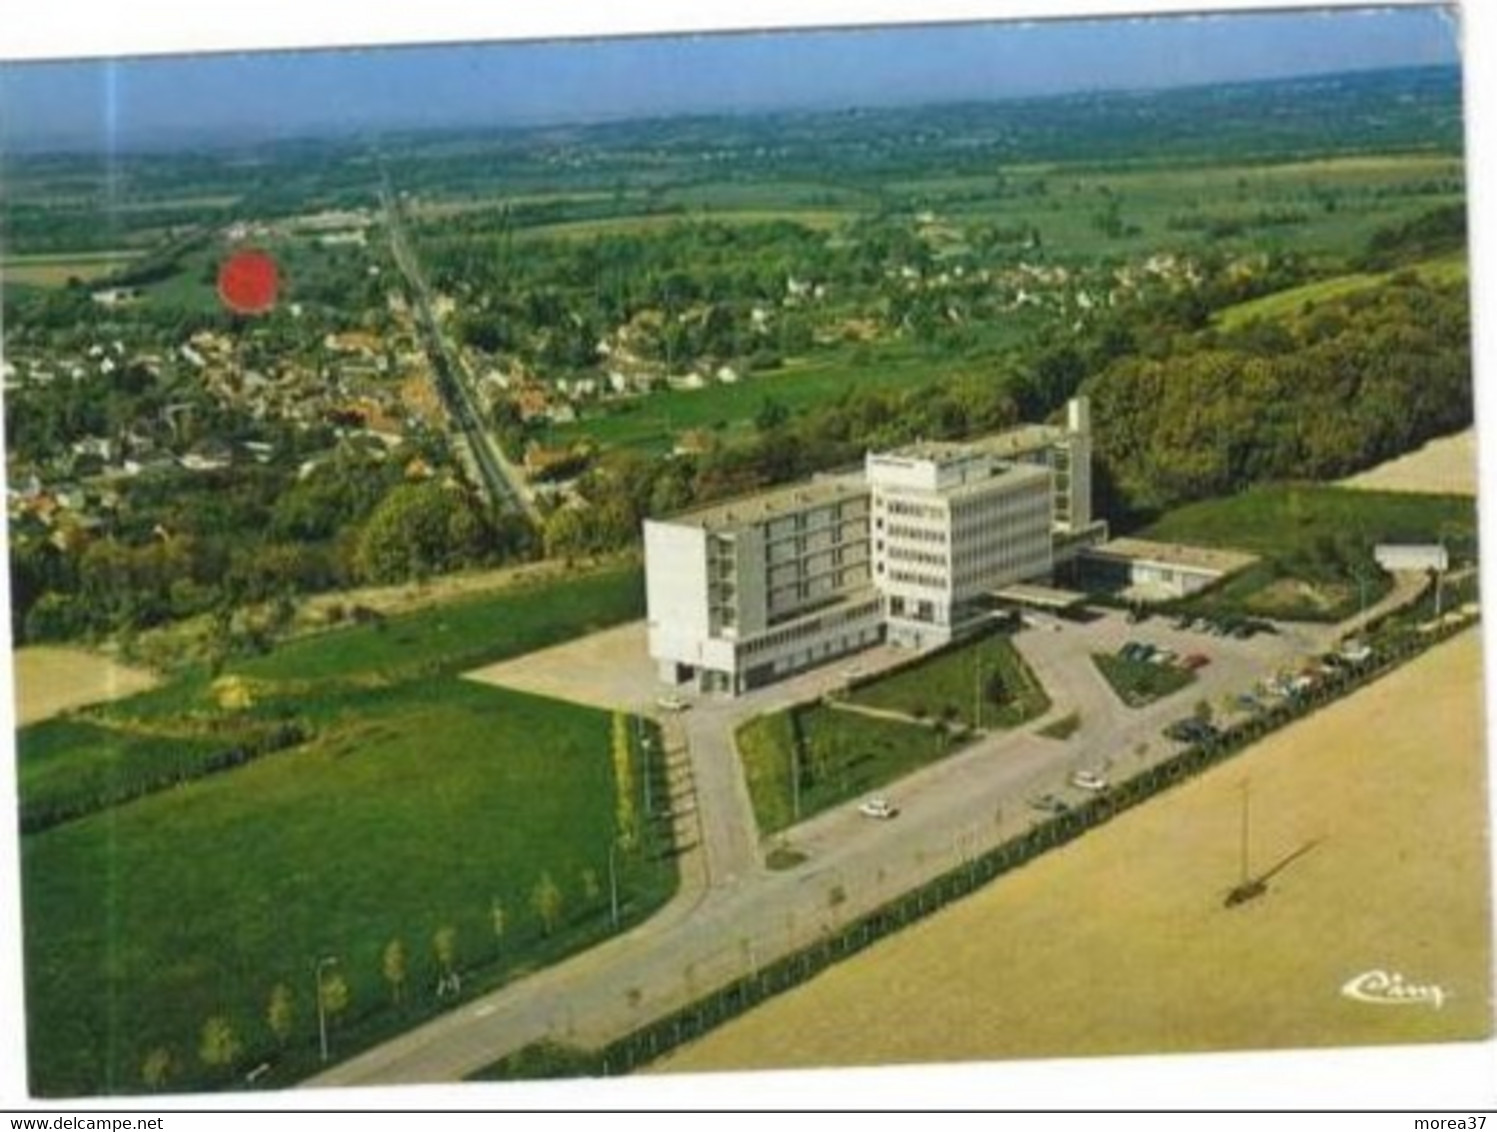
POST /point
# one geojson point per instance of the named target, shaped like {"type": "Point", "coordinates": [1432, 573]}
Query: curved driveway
{"type": "Point", "coordinates": [732, 914]}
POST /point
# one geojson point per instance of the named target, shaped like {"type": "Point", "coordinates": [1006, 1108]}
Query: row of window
{"type": "Point", "coordinates": [925, 557]}
{"type": "Point", "coordinates": [913, 510]}
{"type": "Point", "coordinates": [918, 578]}
{"type": "Point", "coordinates": [917, 534]}
{"type": "Point", "coordinates": [808, 628]}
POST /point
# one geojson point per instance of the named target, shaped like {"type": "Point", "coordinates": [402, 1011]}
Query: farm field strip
{"type": "Point", "coordinates": [1445, 466]}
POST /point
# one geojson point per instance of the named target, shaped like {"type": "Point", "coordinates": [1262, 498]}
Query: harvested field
{"type": "Point", "coordinates": [52, 680]}
{"type": "Point", "coordinates": [1446, 466]}
{"type": "Point", "coordinates": [1120, 943]}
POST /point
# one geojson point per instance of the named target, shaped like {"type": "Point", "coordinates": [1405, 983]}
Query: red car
{"type": "Point", "coordinates": [1195, 660]}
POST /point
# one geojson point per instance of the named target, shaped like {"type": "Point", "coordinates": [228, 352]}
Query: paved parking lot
{"type": "Point", "coordinates": [610, 670]}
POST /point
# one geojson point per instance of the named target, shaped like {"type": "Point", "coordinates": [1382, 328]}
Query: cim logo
{"type": "Point", "coordinates": [1389, 988]}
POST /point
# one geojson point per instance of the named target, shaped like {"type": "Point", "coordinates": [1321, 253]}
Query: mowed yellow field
{"type": "Point", "coordinates": [1445, 466]}
{"type": "Point", "coordinates": [1120, 943]}
{"type": "Point", "coordinates": [52, 680]}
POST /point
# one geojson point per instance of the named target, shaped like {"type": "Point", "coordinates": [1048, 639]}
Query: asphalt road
{"type": "Point", "coordinates": [732, 913]}
{"type": "Point", "coordinates": [501, 479]}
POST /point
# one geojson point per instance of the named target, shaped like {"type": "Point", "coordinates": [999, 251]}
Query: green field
{"type": "Point", "coordinates": [421, 801]}
{"type": "Point", "coordinates": [841, 754]}
{"type": "Point", "coordinates": [1331, 206]}
{"type": "Point", "coordinates": [656, 422]}
{"type": "Point", "coordinates": [71, 766]}
{"type": "Point", "coordinates": [1282, 519]}
{"type": "Point", "coordinates": [1138, 682]}
{"type": "Point", "coordinates": [1316, 544]}
{"type": "Point", "coordinates": [983, 684]}
{"type": "Point", "coordinates": [57, 270]}
{"type": "Point", "coordinates": [1286, 304]}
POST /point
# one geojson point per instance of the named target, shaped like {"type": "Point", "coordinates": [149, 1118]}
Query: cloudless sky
{"type": "Point", "coordinates": [245, 97]}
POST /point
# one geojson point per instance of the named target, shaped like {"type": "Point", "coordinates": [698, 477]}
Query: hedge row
{"type": "Point", "coordinates": [37, 816]}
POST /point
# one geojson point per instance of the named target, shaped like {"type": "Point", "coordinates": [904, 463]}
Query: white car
{"type": "Point", "coordinates": [1088, 780]}
{"type": "Point", "coordinates": [880, 808]}
{"type": "Point", "coordinates": [671, 703]}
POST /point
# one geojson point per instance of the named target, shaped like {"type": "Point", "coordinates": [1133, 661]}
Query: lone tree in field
{"type": "Point", "coordinates": [393, 966]}
{"type": "Point", "coordinates": [444, 947]}
{"type": "Point", "coordinates": [591, 889]}
{"type": "Point", "coordinates": [547, 902]}
{"type": "Point", "coordinates": [219, 1046]}
{"type": "Point", "coordinates": [280, 1012]}
{"type": "Point", "coordinates": [335, 995]}
{"type": "Point", "coordinates": [496, 921]}
{"type": "Point", "coordinates": [156, 1069]}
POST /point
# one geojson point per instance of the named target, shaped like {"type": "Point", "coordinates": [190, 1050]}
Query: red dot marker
{"type": "Point", "coordinates": [248, 282]}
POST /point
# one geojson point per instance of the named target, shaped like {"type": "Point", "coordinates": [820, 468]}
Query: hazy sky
{"type": "Point", "coordinates": [246, 97]}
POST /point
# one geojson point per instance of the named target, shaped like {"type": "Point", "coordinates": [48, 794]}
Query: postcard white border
{"type": "Point", "coordinates": [1378, 1078]}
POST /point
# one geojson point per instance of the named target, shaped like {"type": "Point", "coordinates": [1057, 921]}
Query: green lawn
{"type": "Point", "coordinates": [1280, 519]}
{"type": "Point", "coordinates": [420, 813]}
{"type": "Point", "coordinates": [655, 422]}
{"type": "Point", "coordinates": [1138, 682]}
{"type": "Point", "coordinates": [420, 800]}
{"type": "Point", "coordinates": [841, 756]}
{"type": "Point", "coordinates": [984, 682]}
{"type": "Point", "coordinates": [1316, 542]}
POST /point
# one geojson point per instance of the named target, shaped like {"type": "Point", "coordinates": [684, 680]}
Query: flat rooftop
{"type": "Point", "coordinates": [1174, 554]}
{"type": "Point", "coordinates": [1013, 442]}
{"type": "Point", "coordinates": [749, 510]}
{"type": "Point", "coordinates": [1043, 597]}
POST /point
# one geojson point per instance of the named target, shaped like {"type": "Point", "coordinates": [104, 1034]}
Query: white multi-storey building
{"type": "Point", "coordinates": [952, 524]}
{"type": "Point", "coordinates": [745, 592]}
{"type": "Point", "coordinates": [913, 550]}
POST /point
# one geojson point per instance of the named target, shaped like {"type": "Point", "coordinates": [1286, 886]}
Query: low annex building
{"type": "Point", "coordinates": [911, 551]}
{"type": "Point", "coordinates": [1162, 571]}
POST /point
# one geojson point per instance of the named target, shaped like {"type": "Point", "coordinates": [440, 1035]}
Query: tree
{"type": "Point", "coordinates": [591, 889]}
{"type": "Point", "coordinates": [497, 921]}
{"type": "Point", "coordinates": [444, 947]}
{"type": "Point", "coordinates": [333, 988]}
{"type": "Point", "coordinates": [567, 534]}
{"type": "Point", "coordinates": [157, 1068]}
{"type": "Point", "coordinates": [419, 530]}
{"type": "Point", "coordinates": [219, 1046]}
{"type": "Point", "coordinates": [393, 965]}
{"type": "Point", "coordinates": [280, 1013]}
{"type": "Point", "coordinates": [547, 900]}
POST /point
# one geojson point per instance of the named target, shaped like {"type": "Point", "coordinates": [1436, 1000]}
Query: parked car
{"type": "Point", "coordinates": [1163, 657]}
{"type": "Point", "coordinates": [880, 808]}
{"type": "Point", "coordinates": [1088, 780]}
{"type": "Point", "coordinates": [1195, 660]}
{"type": "Point", "coordinates": [671, 702]}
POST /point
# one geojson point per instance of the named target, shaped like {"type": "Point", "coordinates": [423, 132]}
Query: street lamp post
{"type": "Point", "coordinates": [325, 961]}
{"type": "Point", "coordinates": [645, 747]}
{"type": "Point", "coordinates": [613, 887]}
